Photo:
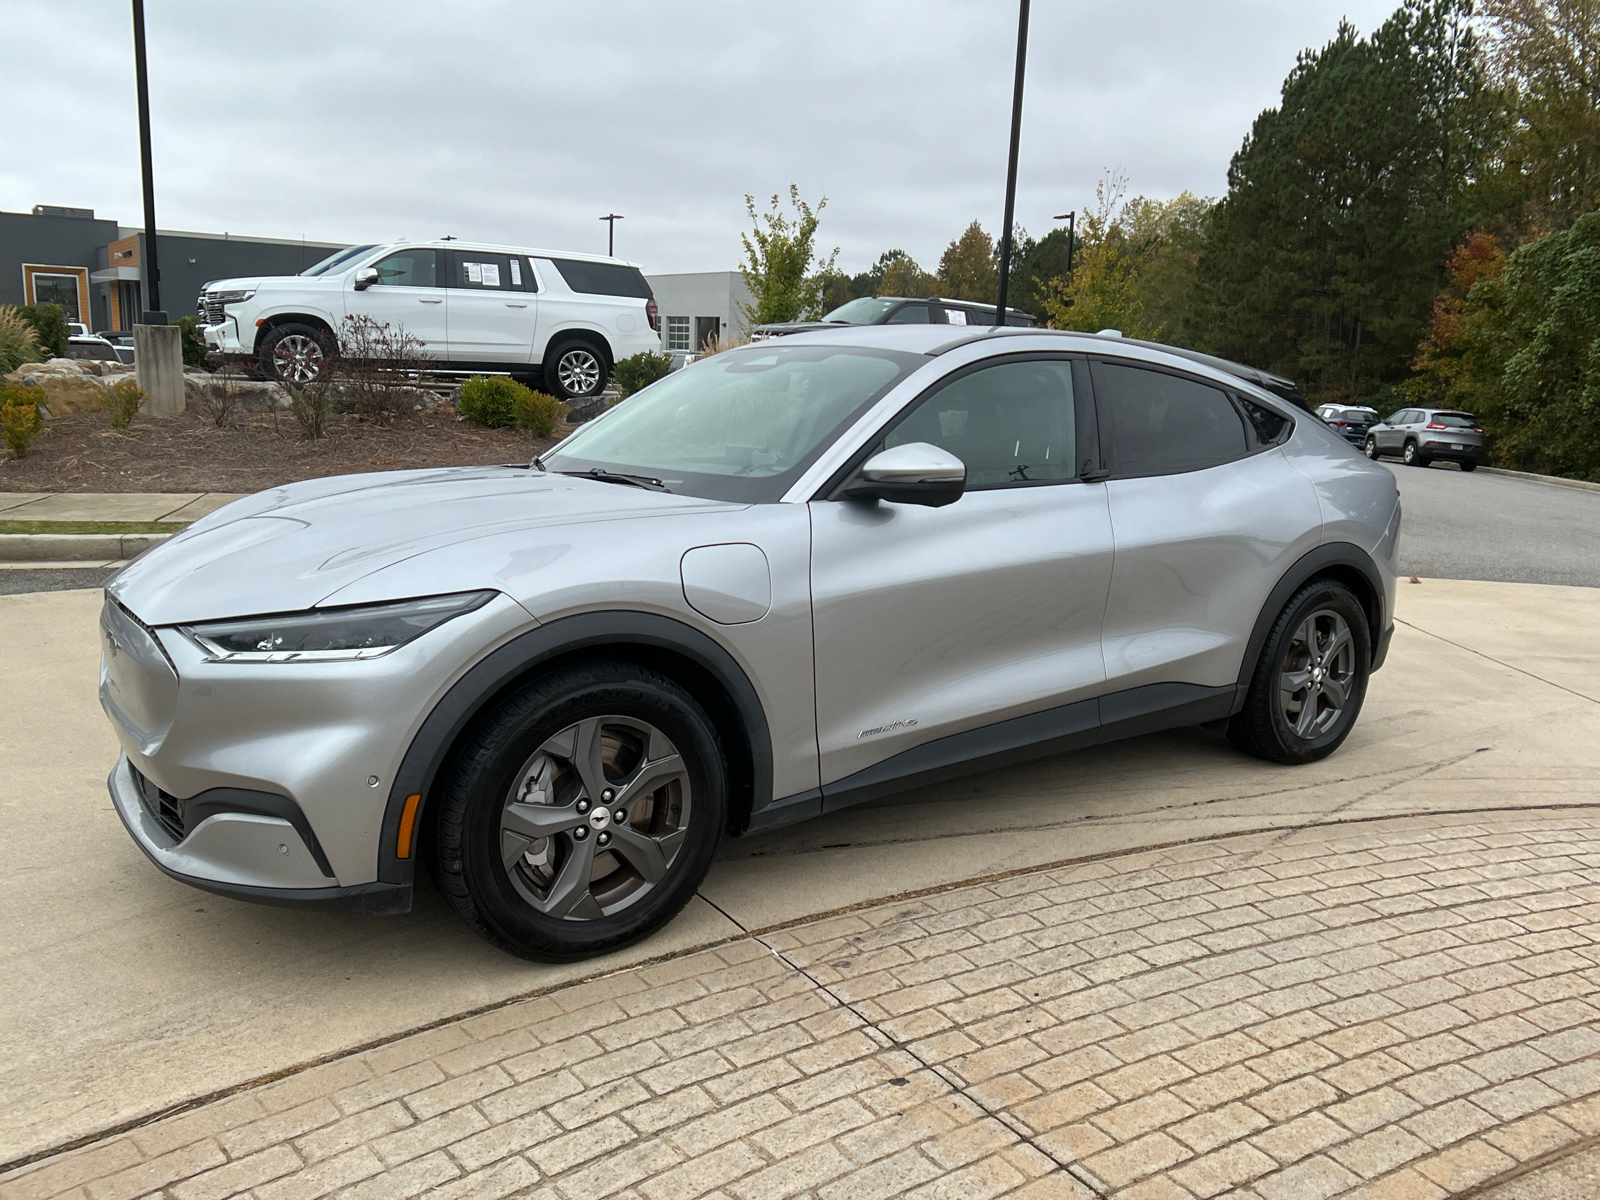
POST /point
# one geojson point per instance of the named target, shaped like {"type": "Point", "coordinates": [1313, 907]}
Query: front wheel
{"type": "Point", "coordinates": [1371, 448]}
{"type": "Point", "coordinates": [574, 370]}
{"type": "Point", "coordinates": [584, 813]}
{"type": "Point", "coordinates": [294, 353]}
{"type": "Point", "coordinates": [1311, 679]}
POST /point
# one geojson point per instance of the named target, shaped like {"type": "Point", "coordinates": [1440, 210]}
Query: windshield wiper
{"type": "Point", "coordinates": [605, 476]}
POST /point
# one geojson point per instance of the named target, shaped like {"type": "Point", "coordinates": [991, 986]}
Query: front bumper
{"type": "Point", "coordinates": [245, 855]}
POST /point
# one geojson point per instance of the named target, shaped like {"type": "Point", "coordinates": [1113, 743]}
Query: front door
{"type": "Point", "coordinates": [493, 309]}
{"type": "Point", "coordinates": [406, 297]}
{"type": "Point", "coordinates": [932, 622]}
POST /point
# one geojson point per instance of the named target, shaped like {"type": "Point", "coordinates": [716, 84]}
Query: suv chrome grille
{"type": "Point", "coordinates": [166, 808]}
{"type": "Point", "coordinates": [212, 310]}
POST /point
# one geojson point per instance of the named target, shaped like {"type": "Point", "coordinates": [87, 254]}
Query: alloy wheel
{"type": "Point", "coordinates": [297, 358]}
{"type": "Point", "coordinates": [596, 818]}
{"type": "Point", "coordinates": [1372, 447]}
{"type": "Point", "coordinates": [579, 371]}
{"type": "Point", "coordinates": [1318, 672]}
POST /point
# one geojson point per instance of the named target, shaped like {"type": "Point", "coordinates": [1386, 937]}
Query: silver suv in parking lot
{"type": "Point", "coordinates": [1420, 435]}
{"type": "Point", "coordinates": [790, 578]}
{"type": "Point", "coordinates": [558, 321]}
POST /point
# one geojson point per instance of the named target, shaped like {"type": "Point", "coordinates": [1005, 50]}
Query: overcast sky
{"type": "Point", "coordinates": [522, 121]}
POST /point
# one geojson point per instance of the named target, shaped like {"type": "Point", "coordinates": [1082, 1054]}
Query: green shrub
{"type": "Point", "coordinates": [311, 406]}
{"type": "Point", "coordinates": [194, 346]}
{"type": "Point", "coordinates": [640, 371]}
{"type": "Point", "coordinates": [19, 341]}
{"type": "Point", "coordinates": [537, 412]}
{"type": "Point", "coordinates": [20, 418]}
{"type": "Point", "coordinates": [491, 400]}
{"type": "Point", "coordinates": [50, 324]}
{"type": "Point", "coordinates": [123, 401]}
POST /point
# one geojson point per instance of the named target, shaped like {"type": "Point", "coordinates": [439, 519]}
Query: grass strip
{"type": "Point", "coordinates": [92, 526]}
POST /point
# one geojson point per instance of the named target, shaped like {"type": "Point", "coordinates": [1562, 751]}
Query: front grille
{"type": "Point", "coordinates": [166, 808]}
{"type": "Point", "coordinates": [212, 310]}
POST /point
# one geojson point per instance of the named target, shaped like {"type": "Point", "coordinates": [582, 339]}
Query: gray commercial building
{"type": "Point", "coordinates": [698, 304]}
{"type": "Point", "coordinates": [93, 267]}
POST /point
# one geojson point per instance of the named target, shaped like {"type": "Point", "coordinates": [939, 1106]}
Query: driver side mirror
{"type": "Point", "coordinates": [365, 278]}
{"type": "Point", "coordinates": [916, 473]}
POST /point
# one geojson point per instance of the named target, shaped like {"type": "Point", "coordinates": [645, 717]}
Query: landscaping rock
{"type": "Point", "coordinates": [69, 385]}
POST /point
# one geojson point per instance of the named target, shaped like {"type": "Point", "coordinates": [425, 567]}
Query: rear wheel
{"type": "Point", "coordinates": [1468, 465]}
{"type": "Point", "coordinates": [573, 370]}
{"type": "Point", "coordinates": [1311, 679]}
{"type": "Point", "coordinates": [584, 813]}
{"type": "Point", "coordinates": [1413, 457]}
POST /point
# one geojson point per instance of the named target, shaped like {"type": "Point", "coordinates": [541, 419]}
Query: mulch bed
{"type": "Point", "coordinates": [78, 452]}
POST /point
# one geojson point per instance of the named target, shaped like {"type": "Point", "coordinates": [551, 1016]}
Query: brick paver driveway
{"type": "Point", "coordinates": [1400, 1007]}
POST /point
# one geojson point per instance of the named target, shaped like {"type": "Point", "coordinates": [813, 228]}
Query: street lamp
{"type": "Point", "coordinates": [611, 220]}
{"type": "Point", "coordinates": [1071, 219]}
{"type": "Point", "coordinates": [153, 314]}
{"type": "Point", "coordinates": [1011, 168]}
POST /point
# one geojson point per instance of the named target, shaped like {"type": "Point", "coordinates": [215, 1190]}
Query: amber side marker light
{"type": "Point", "coordinates": [408, 817]}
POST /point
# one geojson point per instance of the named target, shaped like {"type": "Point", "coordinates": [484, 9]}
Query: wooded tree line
{"type": "Point", "coordinates": [1414, 223]}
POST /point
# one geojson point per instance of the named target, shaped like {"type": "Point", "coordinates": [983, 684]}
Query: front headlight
{"type": "Point", "coordinates": [238, 297]}
{"type": "Point", "coordinates": [323, 635]}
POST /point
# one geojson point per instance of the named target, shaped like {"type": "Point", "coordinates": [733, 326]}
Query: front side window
{"type": "Point", "coordinates": [336, 260]}
{"type": "Point", "coordinates": [741, 425]}
{"type": "Point", "coordinates": [911, 314]}
{"type": "Point", "coordinates": [1012, 424]}
{"type": "Point", "coordinates": [1162, 424]}
{"type": "Point", "coordinates": [408, 268]}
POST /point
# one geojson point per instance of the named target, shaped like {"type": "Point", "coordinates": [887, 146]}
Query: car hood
{"type": "Point", "coordinates": [293, 547]}
{"type": "Point", "coordinates": [242, 284]}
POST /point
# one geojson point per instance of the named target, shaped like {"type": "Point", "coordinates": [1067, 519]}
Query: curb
{"type": "Point", "coordinates": [1582, 485]}
{"type": "Point", "coordinates": [75, 547]}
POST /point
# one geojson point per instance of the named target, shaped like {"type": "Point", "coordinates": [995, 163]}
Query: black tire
{"type": "Point", "coordinates": [294, 353]}
{"type": "Point", "coordinates": [574, 369]}
{"type": "Point", "coordinates": [1371, 448]}
{"type": "Point", "coordinates": [472, 844]}
{"type": "Point", "coordinates": [1414, 457]}
{"type": "Point", "coordinates": [1263, 726]}
{"type": "Point", "coordinates": [1469, 465]}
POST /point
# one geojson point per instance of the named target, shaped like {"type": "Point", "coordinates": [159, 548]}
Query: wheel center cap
{"type": "Point", "coordinates": [599, 817]}
{"type": "Point", "coordinates": [1316, 674]}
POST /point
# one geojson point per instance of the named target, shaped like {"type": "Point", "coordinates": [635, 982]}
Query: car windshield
{"type": "Point", "coordinates": [864, 311]}
{"type": "Point", "coordinates": [335, 259]}
{"type": "Point", "coordinates": [741, 425]}
{"type": "Point", "coordinates": [1455, 420]}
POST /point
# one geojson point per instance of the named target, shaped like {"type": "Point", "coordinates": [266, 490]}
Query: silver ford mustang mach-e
{"type": "Point", "coordinates": [790, 578]}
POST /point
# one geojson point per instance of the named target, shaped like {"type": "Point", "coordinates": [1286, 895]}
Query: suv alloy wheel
{"type": "Point", "coordinates": [584, 814]}
{"type": "Point", "coordinates": [294, 353]}
{"type": "Point", "coordinates": [1413, 457]}
{"type": "Point", "coordinates": [1371, 448]}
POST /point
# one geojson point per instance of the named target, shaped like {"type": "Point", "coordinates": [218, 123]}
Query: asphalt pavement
{"type": "Point", "coordinates": [1496, 528]}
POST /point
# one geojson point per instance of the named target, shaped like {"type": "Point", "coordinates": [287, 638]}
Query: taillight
{"type": "Point", "coordinates": [1341, 424]}
{"type": "Point", "coordinates": [653, 315]}
{"type": "Point", "coordinates": [1436, 425]}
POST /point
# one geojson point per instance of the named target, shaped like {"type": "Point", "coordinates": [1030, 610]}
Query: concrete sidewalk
{"type": "Point", "coordinates": [39, 551]}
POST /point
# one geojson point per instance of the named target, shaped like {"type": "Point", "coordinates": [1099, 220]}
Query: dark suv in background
{"type": "Point", "coordinates": [1420, 435]}
{"type": "Point", "coordinates": [896, 310]}
{"type": "Point", "coordinates": [1351, 421]}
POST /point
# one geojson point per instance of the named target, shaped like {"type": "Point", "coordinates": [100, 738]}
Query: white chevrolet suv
{"type": "Point", "coordinates": [533, 314]}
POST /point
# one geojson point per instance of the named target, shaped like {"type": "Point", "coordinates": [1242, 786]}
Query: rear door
{"type": "Point", "coordinates": [493, 309]}
{"type": "Point", "coordinates": [1206, 515]}
{"type": "Point", "coordinates": [407, 297]}
{"type": "Point", "coordinates": [933, 622]}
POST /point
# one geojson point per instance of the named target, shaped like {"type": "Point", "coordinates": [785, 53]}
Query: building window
{"type": "Point", "coordinates": [678, 334]}
{"type": "Point", "coordinates": [66, 286]}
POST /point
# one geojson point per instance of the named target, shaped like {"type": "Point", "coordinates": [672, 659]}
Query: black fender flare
{"type": "Point", "coordinates": [498, 672]}
{"type": "Point", "coordinates": [1330, 559]}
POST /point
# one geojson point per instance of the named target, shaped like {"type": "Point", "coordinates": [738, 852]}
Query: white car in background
{"type": "Point", "coordinates": [556, 321]}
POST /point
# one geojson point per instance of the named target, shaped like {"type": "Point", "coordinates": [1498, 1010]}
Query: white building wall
{"type": "Point", "coordinates": [692, 301]}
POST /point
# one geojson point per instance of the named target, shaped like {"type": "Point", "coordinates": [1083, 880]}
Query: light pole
{"type": "Point", "coordinates": [1011, 168]}
{"type": "Point", "coordinates": [611, 220]}
{"type": "Point", "coordinates": [153, 315]}
{"type": "Point", "coordinates": [1071, 219]}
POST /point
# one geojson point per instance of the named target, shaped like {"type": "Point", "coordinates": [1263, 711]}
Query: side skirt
{"type": "Point", "coordinates": [1139, 710]}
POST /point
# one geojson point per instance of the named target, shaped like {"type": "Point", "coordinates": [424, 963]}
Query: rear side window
{"type": "Point", "coordinates": [1270, 427]}
{"type": "Point", "coordinates": [476, 270]}
{"type": "Point", "coordinates": [602, 279]}
{"type": "Point", "coordinates": [1162, 424]}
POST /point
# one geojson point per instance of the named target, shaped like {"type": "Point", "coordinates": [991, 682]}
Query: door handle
{"type": "Point", "coordinates": [425, 300]}
{"type": "Point", "coordinates": [515, 304]}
